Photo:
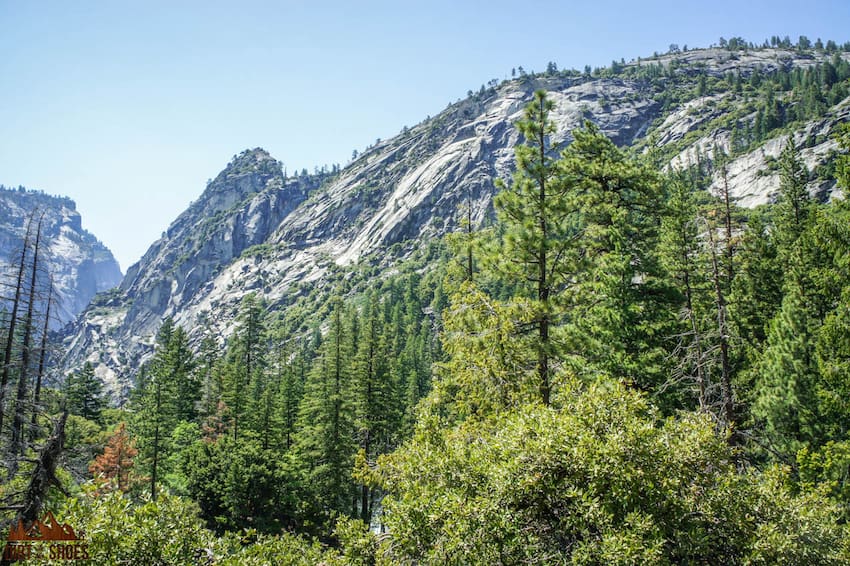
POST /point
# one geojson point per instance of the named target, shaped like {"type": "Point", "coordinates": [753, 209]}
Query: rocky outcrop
{"type": "Point", "coordinates": [239, 208]}
{"type": "Point", "coordinates": [253, 230]}
{"type": "Point", "coordinates": [79, 263]}
{"type": "Point", "coordinates": [718, 62]}
{"type": "Point", "coordinates": [754, 176]}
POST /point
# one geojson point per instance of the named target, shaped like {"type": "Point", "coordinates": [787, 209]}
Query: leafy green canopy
{"type": "Point", "coordinates": [604, 480]}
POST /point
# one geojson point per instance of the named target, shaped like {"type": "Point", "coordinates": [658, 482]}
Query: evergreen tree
{"type": "Point", "coordinates": [680, 251]}
{"type": "Point", "coordinates": [757, 288]}
{"type": "Point", "coordinates": [157, 405]}
{"type": "Point", "coordinates": [486, 369]}
{"type": "Point", "coordinates": [793, 207]}
{"type": "Point", "coordinates": [832, 356]}
{"type": "Point", "coordinates": [619, 299]}
{"type": "Point", "coordinates": [208, 374]}
{"type": "Point", "coordinates": [153, 422]}
{"type": "Point", "coordinates": [325, 446]}
{"type": "Point", "coordinates": [536, 249]}
{"type": "Point", "coordinates": [785, 395]}
{"type": "Point", "coordinates": [377, 411]}
{"type": "Point", "coordinates": [238, 484]}
{"type": "Point", "coordinates": [84, 393]}
{"type": "Point", "coordinates": [244, 372]}
{"type": "Point", "coordinates": [178, 362]}
{"type": "Point", "coordinates": [293, 375]}
{"type": "Point", "coordinates": [795, 386]}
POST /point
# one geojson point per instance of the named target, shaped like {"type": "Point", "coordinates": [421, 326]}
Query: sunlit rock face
{"type": "Point", "coordinates": [256, 230]}
{"type": "Point", "coordinates": [77, 262]}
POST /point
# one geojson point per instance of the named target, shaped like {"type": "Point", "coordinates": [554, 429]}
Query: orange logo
{"type": "Point", "coordinates": [66, 544]}
{"type": "Point", "coordinates": [47, 529]}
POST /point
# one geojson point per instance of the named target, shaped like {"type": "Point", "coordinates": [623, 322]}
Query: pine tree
{"type": "Point", "coordinates": [377, 410]}
{"type": "Point", "coordinates": [156, 404]}
{"type": "Point", "coordinates": [537, 245]}
{"type": "Point", "coordinates": [84, 393]}
{"type": "Point", "coordinates": [832, 355]}
{"type": "Point", "coordinates": [785, 401]}
{"type": "Point", "coordinates": [153, 421]}
{"type": "Point", "coordinates": [757, 288]}
{"type": "Point", "coordinates": [208, 374]}
{"type": "Point", "coordinates": [619, 300]}
{"type": "Point", "coordinates": [796, 392]}
{"type": "Point", "coordinates": [264, 413]}
{"type": "Point", "coordinates": [325, 446]}
{"type": "Point", "coordinates": [244, 372]}
{"type": "Point", "coordinates": [487, 360]}
{"type": "Point", "coordinates": [793, 209]}
{"type": "Point", "coordinates": [292, 371]}
{"type": "Point", "coordinates": [178, 361]}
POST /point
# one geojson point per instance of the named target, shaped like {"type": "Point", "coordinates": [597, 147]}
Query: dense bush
{"type": "Point", "coordinates": [603, 480]}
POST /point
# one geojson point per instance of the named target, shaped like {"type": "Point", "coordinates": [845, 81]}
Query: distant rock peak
{"type": "Point", "coordinates": [78, 262]}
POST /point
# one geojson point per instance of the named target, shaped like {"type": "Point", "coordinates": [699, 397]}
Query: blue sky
{"type": "Point", "coordinates": [129, 107]}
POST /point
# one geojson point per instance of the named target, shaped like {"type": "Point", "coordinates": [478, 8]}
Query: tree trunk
{"type": "Point", "coordinates": [158, 417]}
{"type": "Point", "coordinates": [44, 474]}
{"type": "Point", "coordinates": [730, 268]}
{"type": "Point", "coordinates": [727, 399]}
{"type": "Point", "coordinates": [542, 279]}
{"type": "Point", "coordinates": [701, 379]}
{"type": "Point", "coordinates": [41, 360]}
{"type": "Point", "coordinates": [10, 338]}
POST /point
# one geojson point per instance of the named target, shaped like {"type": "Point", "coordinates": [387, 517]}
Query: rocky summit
{"type": "Point", "coordinates": [78, 263]}
{"type": "Point", "coordinates": [253, 229]}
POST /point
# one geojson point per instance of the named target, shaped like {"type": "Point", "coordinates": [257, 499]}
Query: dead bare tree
{"type": "Point", "coordinates": [42, 358]}
{"type": "Point", "coordinates": [10, 337]}
{"type": "Point", "coordinates": [726, 395]}
{"type": "Point", "coordinates": [18, 444]}
{"type": "Point", "coordinates": [42, 477]}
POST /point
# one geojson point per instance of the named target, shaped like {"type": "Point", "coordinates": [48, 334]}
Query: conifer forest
{"type": "Point", "coordinates": [616, 363]}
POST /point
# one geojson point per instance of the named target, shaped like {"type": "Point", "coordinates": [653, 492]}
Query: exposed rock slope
{"type": "Point", "coordinates": [79, 263]}
{"type": "Point", "coordinates": [252, 230]}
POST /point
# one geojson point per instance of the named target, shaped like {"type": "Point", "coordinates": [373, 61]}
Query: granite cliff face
{"type": "Point", "coordinates": [252, 230]}
{"type": "Point", "coordinates": [238, 209]}
{"type": "Point", "coordinates": [79, 263]}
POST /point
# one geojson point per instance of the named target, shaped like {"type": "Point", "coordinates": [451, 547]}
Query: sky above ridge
{"type": "Point", "coordinates": [129, 107]}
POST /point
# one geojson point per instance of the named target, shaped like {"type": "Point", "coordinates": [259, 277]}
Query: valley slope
{"type": "Point", "coordinates": [253, 230]}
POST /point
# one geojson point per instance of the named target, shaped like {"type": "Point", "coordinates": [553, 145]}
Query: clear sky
{"type": "Point", "coordinates": [128, 107]}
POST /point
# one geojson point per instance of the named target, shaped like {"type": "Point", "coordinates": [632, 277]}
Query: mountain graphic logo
{"type": "Point", "coordinates": [46, 529]}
